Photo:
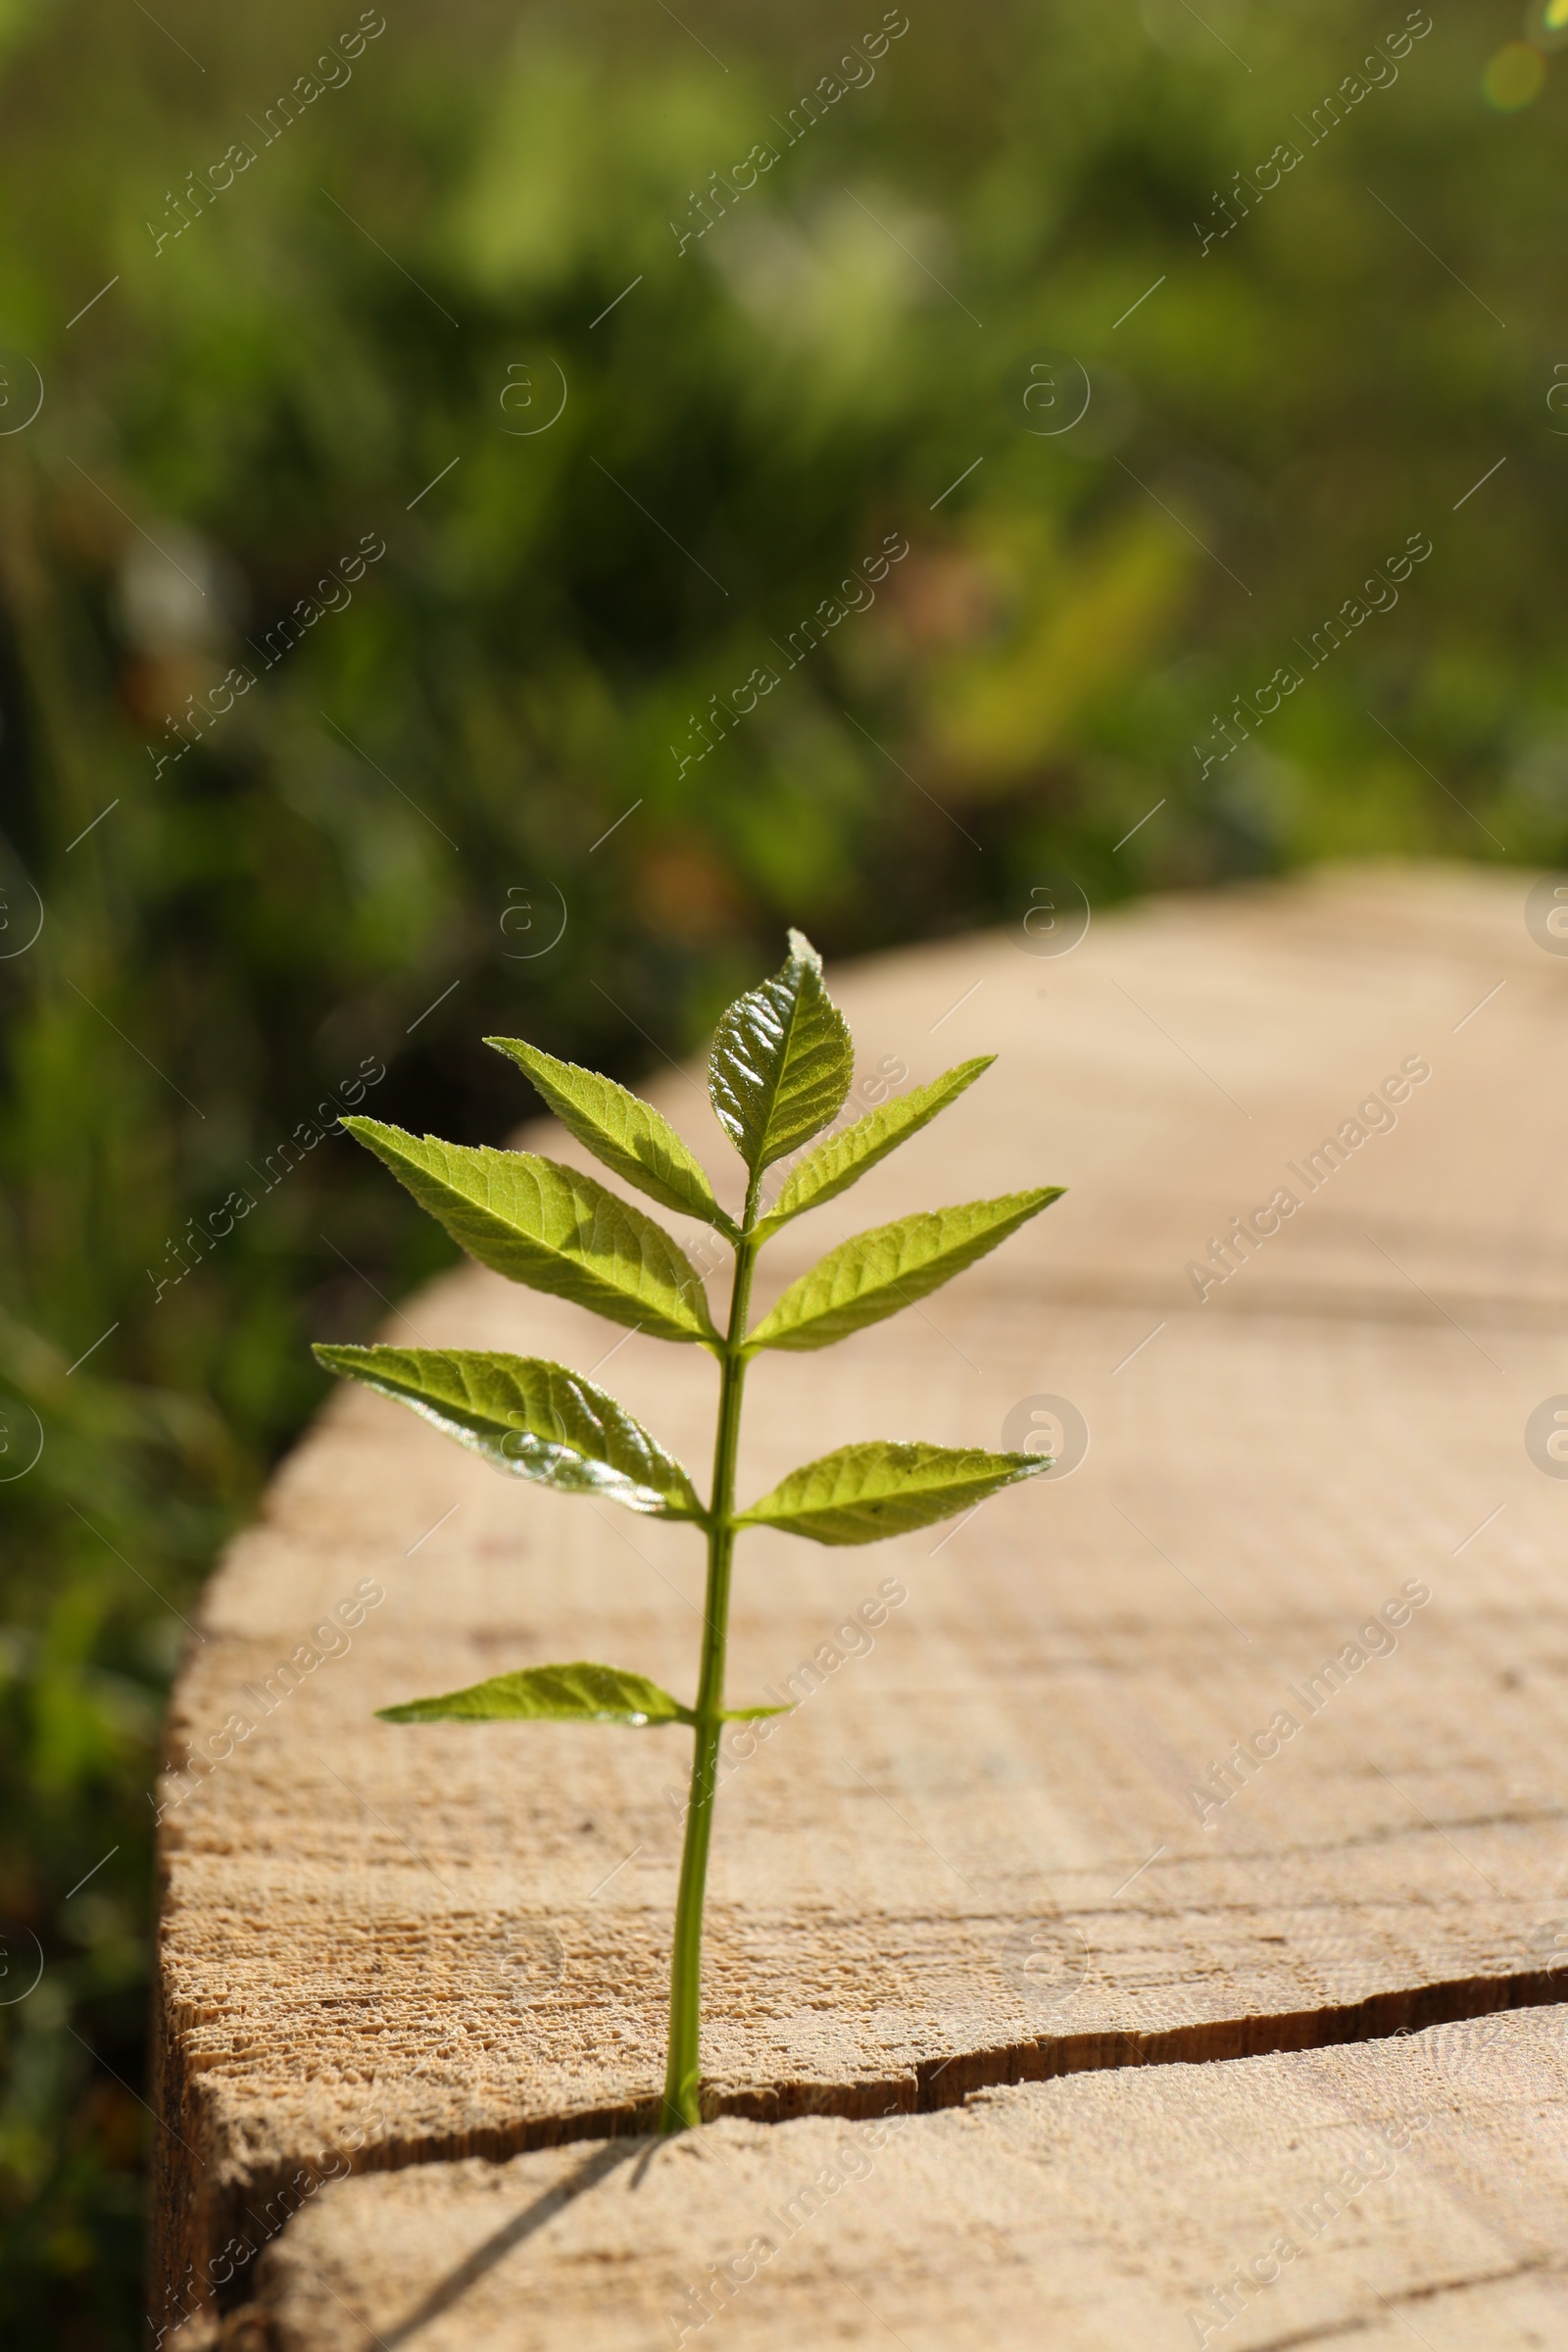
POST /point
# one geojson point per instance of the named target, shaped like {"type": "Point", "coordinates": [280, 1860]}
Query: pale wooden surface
{"type": "Point", "coordinates": [463, 1933]}
{"type": "Point", "coordinates": [1423, 2185]}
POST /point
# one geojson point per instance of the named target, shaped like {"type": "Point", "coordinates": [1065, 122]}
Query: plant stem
{"type": "Point", "coordinates": [681, 2108]}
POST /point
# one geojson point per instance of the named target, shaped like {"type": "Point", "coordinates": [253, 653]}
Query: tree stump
{"type": "Point", "coordinates": [1239, 1734]}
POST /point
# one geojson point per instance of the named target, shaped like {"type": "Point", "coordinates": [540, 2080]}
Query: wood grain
{"type": "Point", "coordinates": [975, 1853]}
{"type": "Point", "coordinates": [1407, 2194]}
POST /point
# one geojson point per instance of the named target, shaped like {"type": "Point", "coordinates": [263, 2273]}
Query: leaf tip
{"type": "Point", "coordinates": [803, 952]}
{"type": "Point", "coordinates": [374, 1134]}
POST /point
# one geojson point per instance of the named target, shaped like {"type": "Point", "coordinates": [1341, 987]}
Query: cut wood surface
{"type": "Point", "coordinates": [1410, 2193]}
{"type": "Point", "coordinates": [1008, 1831]}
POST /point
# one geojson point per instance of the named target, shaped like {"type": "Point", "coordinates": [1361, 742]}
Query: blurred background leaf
{"type": "Point", "coordinates": [504, 776]}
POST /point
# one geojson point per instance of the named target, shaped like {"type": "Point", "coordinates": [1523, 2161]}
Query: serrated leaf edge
{"type": "Point", "coordinates": [703, 1331]}
{"type": "Point", "coordinates": [1024, 1466]}
{"type": "Point", "coordinates": [804, 956]}
{"type": "Point", "coordinates": [1048, 1192]}
{"type": "Point", "coordinates": [710, 1213]}
{"type": "Point", "coordinates": [327, 1351]}
{"type": "Point", "coordinates": [780, 1216]}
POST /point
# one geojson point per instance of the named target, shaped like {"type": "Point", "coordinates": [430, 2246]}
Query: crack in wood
{"type": "Point", "coordinates": [947, 2082]}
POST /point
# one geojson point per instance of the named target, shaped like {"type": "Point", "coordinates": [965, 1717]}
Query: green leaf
{"type": "Point", "coordinates": [754, 1714]}
{"type": "Point", "coordinates": [843, 1159]}
{"type": "Point", "coordinates": [781, 1063]}
{"type": "Point", "coordinates": [581, 1692]}
{"type": "Point", "coordinates": [551, 1227]}
{"type": "Point", "coordinates": [864, 1493]}
{"type": "Point", "coordinates": [532, 1418]}
{"type": "Point", "coordinates": [626, 1133]}
{"type": "Point", "coordinates": [876, 1273]}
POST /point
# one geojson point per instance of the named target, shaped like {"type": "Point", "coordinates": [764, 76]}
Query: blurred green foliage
{"type": "Point", "coordinates": [358, 340]}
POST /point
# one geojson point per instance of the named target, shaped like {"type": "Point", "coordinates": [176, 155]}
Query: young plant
{"type": "Point", "coordinates": [779, 1075]}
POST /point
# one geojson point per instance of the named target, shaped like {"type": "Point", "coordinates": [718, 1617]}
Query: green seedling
{"type": "Point", "coordinates": [779, 1075]}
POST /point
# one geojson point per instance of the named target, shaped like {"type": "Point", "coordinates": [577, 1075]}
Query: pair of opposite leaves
{"type": "Point", "coordinates": [779, 1072]}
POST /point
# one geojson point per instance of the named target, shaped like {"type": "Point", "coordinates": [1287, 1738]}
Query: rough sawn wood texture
{"type": "Point", "coordinates": [1008, 1832]}
{"type": "Point", "coordinates": [1410, 2193]}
